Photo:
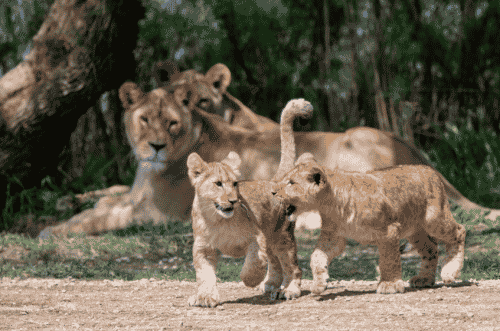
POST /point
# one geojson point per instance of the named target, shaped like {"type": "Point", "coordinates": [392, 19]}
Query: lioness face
{"type": "Point", "coordinates": [216, 182]}
{"type": "Point", "coordinates": [301, 187]}
{"type": "Point", "coordinates": [159, 125]}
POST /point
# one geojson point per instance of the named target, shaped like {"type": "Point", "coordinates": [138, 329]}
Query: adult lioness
{"type": "Point", "coordinates": [161, 132]}
{"type": "Point", "coordinates": [379, 207]}
{"type": "Point", "coordinates": [358, 149]}
{"type": "Point", "coordinates": [240, 218]}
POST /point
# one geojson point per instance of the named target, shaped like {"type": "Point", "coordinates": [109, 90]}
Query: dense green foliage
{"type": "Point", "coordinates": [442, 55]}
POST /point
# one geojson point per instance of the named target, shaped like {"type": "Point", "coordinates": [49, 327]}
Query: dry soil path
{"type": "Point", "coordinates": [68, 304]}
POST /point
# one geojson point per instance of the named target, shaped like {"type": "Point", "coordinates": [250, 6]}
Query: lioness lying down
{"type": "Point", "coordinates": [379, 207]}
{"type": "Point", "coordinates": [244, 218]}
{"type": "Point", "coordinates": [165, 125]}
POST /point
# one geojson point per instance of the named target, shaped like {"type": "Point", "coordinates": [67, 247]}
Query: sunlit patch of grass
{"type": "Point", "coordinates": [165, 252]}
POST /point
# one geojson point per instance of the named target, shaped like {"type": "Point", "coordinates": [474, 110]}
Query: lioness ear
{"type": "Point", "coordinates": [129, 94]}
{"type": "Point", "coordinates": [219, 76]}
{"type": "Point", "coordinates": [304, 158]}
{"type": "Point", "coordinates": [196, 167]}
{"type": "Point", "coordinates": [233, 161]}
{"type": "Point", "coordinates": [163, 72]}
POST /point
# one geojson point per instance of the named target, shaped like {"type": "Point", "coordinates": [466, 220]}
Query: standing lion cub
{"type": "Point", "coordinates": [239, 218]}
{"type": "Point", "coordinates": [379, 207]}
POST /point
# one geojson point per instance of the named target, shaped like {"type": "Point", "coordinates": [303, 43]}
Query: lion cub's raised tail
{"type": "Point", "coordinates": [294, 108]}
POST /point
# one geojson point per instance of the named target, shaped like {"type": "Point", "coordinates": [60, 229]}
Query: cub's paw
{"type": "Point", "coordinates": [205, 299]}
{"type": "Point", "coordinates": [449, 276]}
{"type": "Point", "coordinates": [274, 294]}
{"type": "Point", "coordinates": [291, 292]}
{"type": "Point", "coordinates": [397, 286]}
{"type": "Point", "coordinates": [448, 279]}
{"type": "Point", "coordinates": [270, 289]}
{"type": "Point", "coordinates": [318, 287]}
{"type": "Point", "coordinates": [419, 281]}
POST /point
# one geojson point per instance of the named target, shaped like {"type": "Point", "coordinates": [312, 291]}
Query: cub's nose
{"type": "Point", "coordinates": [157, 147]}
{"type": "Point", "coordinates": [233, 201]}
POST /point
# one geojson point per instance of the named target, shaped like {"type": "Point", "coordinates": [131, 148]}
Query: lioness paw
{"type": "Point", "coordinates": [204, 299]}
{"type": "Point", "coordinates": [418, 281]}
{"type": "Point", "coordinates": [397, 286]}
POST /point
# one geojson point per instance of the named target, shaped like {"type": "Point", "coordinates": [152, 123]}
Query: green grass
{"type": "Point", "coordinates": [164, 252]}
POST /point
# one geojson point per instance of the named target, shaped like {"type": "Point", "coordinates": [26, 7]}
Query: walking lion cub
{"type": "Point", "coordinates": [239, 218]}
{"type": "Point", "coordinates": [378, 207]}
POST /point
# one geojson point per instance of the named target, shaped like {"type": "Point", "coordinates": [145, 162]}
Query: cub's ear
{"type": "Point", "coordinates": [316, 176]}
{"type": "Point", "coordinates": [185, 97]}
{"type": "Point", "coordinates": [163, 72]}
{"type": "Point", "coordinates": [233, 161]}
{"type": "Point", "coordinates": [130, 94]}
{"type": "Point", "coordinates": [196, 167]}
{"type": "Point", "coordinates": [219, 76]}
{"type": "Point", "coordinates": [305, 158]}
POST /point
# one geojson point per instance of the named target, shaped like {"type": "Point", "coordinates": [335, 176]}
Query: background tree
{"type": "Point", "coordinates": [82, 49]}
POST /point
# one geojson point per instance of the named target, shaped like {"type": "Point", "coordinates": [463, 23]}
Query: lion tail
{"type": "Point", "coordinates": [294, 108]}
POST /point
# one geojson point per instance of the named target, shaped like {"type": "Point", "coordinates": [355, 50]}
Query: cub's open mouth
{"type": "Point", "coordinates": [290, 210]}
{"type": "Point", "coordinates": [224, 212]}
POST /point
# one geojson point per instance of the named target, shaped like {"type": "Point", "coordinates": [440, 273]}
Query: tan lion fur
{"type": "Point", "coordinates": [162, 192]}
{"type": "Point", "coordinates": [244, 218]}
{"type": "Point", "coordinates": [379, 207]}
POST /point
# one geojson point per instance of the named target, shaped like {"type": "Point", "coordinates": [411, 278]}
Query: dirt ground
{"type": "Point", "coordinates": [69, 304]}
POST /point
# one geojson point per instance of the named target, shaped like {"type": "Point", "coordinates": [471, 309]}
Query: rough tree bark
{"type": "Point", "coordinates": [83, 49]}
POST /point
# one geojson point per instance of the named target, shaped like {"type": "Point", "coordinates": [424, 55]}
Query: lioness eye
{"type": "Point", "coordinates": [185, 102]}
{"type": "Point", "coordinates": [144, 119]}
{"type": "Point", "coordinates": [235, 184]}
{"type": "Point", "coordinates": [291, 182]}
{"type": "Point", "coordinates": [218, 183]}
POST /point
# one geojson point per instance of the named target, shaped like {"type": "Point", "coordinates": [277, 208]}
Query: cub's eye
{"type": "Point", "coordinates": [219, 183]}
{"type": "Point", "coordinates": [144, 119]}
{"type": "Point", "coordinates": [185, 102]}
{"type": "Point", "coordinates": [235, 184]}
{"type": "Point", "coordinates": [291, 182]}
{"type": "Point", "coordinates": [203, 103]}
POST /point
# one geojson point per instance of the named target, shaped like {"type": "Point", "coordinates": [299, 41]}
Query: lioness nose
{"type": "Point", "coordinates": [157, 147]}
{"type": "Point", "coordinates": [274, 193]}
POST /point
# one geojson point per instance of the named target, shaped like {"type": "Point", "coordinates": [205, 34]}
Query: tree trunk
{"type": "Point", "coordinates": [82, 49]}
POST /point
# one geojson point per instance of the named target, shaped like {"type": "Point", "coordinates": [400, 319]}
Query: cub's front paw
{"type": "Point", "coordinates": [418, 281]}
{"type": "Point", "coordinates": [318, 287]}
{"type": "Point", "coordinates": [291, 292]}
{"type": "Point", "coordinates": [271, 289]}
{"type": "Point", "coordinates": [397, 286]}
{"type": "Point", "coordinates": [205, 299]}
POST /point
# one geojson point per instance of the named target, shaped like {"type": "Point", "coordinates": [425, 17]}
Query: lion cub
{"type": "Point", "coordinates": [379, 207]}
{"type": "Point", "coordinates": [240, 218]}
